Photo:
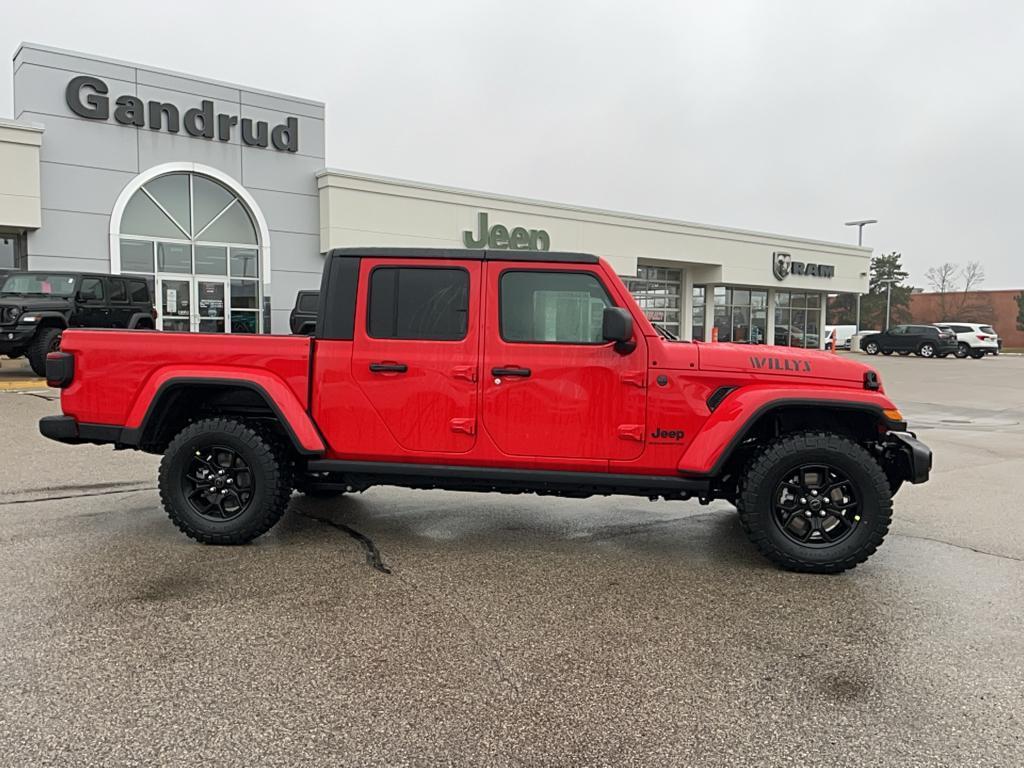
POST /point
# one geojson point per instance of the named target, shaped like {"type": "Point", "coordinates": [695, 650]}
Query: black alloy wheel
{"type": "Point", "coordinates": [816, 505]}
{"type": "Point", "coordinates": [218, 483]}
{"type": "Point", "coordinates": [963, 349]}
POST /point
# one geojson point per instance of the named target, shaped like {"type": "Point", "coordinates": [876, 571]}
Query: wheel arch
{"type": "Point", "coordinates": [176, 401]}
{"type": "Point", "coordinates": [726, 438]}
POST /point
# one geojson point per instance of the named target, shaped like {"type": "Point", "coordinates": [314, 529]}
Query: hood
{"type": "Point", "coordinates": [781, 362]}
{"type": "Point", "coordinates": [36, 303]}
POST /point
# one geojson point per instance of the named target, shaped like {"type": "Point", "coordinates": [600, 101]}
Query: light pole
{"type": "Point", "coordinates": [860, 224]}
{"type": "Point", "coordinates": [888, 297]}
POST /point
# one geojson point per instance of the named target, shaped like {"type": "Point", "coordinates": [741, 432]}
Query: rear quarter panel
{"type": "Point", "coordinates": [116, 372]}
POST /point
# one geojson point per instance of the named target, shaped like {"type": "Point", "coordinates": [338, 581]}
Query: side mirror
{"type": "Point", "coordinates": [617, 326]}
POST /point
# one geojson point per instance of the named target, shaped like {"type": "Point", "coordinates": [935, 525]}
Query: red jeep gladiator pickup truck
{"type": "Point", "coordinates": [507, 371]}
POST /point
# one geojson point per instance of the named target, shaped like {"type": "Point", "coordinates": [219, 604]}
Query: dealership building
{"type": "Point", "coordinates": [222, 198]}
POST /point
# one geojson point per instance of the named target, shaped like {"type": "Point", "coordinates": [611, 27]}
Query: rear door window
{"type": "Point", "coordinates": [418, 303]}
{"type": "Point", "coordinates": [138, 292]}
{"type": "Point", "coordinates": [118, 292]}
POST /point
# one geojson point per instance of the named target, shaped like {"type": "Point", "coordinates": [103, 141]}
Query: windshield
{"type": "Point", "coordinates": [38, 284]}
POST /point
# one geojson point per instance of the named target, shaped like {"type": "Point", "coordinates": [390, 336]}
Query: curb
{"type": "Point", "coordinates": [14, 386]}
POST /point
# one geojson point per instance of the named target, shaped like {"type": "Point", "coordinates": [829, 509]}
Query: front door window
{"type": "Point", "coordinates": [195, 239]}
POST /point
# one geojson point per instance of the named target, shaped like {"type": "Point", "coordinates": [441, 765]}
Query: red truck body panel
{"type": "Point", "coordinates": [583, 407]}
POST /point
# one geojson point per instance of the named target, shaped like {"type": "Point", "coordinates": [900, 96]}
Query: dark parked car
{"type": "Point", "coordinates": [36, 308]}
{"type": "Point", "coordinates": [303, 317]}
{"type": "Point", "coordinates": [923, 340]}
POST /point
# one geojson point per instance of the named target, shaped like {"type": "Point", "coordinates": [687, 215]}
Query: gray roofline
{"type": "Point", "coordinates": [587, 210]}
{"type": "Point", "coordinates": [24, 126]}
{"type": "Point", "coordinates": [197, 78]}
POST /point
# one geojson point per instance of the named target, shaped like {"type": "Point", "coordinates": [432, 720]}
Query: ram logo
{"type": "Point", "coordinates": [782, 263]}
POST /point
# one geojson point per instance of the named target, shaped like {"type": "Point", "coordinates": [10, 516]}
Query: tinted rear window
{"type": "Point", "coordinates": [988, 329]}
{"type": "Point", "coordinates": [418, 303]}
{"type": "Point", "coordinates": [118, 292]}
{"type": "Point", "coordinates": [138, 292]}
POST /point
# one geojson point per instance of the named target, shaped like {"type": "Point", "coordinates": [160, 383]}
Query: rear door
{"type": "Point", "coordinates": [551, 386]}
{"type": "Point", "coordinates": [119, 310]}
{"type": "Point", "coordinates": [415, 350]}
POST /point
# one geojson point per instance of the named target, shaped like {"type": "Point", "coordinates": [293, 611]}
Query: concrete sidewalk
{"type": "Point", "coordinates": [17, 375]}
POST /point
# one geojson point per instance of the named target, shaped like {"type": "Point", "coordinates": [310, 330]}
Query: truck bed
{"type": "Point", "coordinates": [116, 370]}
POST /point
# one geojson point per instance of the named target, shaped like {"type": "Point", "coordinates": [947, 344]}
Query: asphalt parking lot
{"type": "Point", "coordinates": [424, 628]}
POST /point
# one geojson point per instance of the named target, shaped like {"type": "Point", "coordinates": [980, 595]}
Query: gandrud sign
{"type": "Point", "coordinates": [88, 97]}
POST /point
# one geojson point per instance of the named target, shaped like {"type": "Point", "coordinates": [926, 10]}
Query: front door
{"type": "Point", "coordinates": [210, 306]}
{"type": "Point", "coordinates": [552, 386]}
{"type": "Point", "coordinates": [175, 303]}
{"type": "Point", "coordinates": [415, 350]}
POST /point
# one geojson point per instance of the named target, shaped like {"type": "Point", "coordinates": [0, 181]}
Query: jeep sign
{"type": "Point", "coordinates": [783, 266]}
{"type": "Point", "coordinates": [499, 237]}
{"type": "Point", "coordinates": [87, 97]}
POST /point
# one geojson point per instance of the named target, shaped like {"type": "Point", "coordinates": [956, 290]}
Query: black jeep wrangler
{"type": "Point", "coordinates": [36, 307]}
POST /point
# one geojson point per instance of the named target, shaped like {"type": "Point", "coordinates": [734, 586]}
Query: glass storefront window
{"type": "Point", "coordinates": [739, 314]}
{"type": "Point", "coordinates": [181, 227]}
{"type": "Point", "coordinates": [797, 319]}
{"type": "Point", "coordinates": [658, 292]}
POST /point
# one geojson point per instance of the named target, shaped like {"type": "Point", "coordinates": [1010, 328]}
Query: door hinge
{"type": "Point", "coordinates": [631, 432]}
{"type": "Point", "coordinates": [636, 378]}
{"type": "Point", "coordinates": [465, 426]}
{"type": "Point", "coordinates": [467, 372]}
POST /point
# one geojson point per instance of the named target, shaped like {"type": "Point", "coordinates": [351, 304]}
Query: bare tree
{"type": "Point", "coordinates": [973, 276]}
{"type": "Point", "coordinates": [943, 279]}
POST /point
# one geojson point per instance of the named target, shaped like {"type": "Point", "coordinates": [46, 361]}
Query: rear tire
{"type": "Point", "coordinates": [47, 340]}
{"type": "Point", "coordinates": [854, 497]}
{"type": "Point", "coordinates": [221, 482]}
{"type": "Point", "coordinates": [871, 348]}
{"type": "Point", "coordinates": [926, 350]}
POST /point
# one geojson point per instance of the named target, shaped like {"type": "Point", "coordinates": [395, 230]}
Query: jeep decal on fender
{"type": "Point", "coordinates": [781, 364]}
{"type": "Point", "coordinates": [667, 434]}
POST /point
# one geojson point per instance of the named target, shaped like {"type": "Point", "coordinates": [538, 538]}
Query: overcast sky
{"type": "Point", "coordinates": [788, 117]}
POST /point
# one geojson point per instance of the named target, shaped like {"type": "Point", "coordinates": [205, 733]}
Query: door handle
{"type": "Point", "coordinates": [522, 372]}
{"type": "Point", "coordinates": [388, 367]}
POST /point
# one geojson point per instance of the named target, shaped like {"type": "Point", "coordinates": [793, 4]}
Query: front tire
{"type": "Point", "coordinates": [47, 340]}
{"type": "Point", "coordinates": [962, 350]}
{"type": "Point", "coordinates": [221, 482]}
{"type": "Point", "coordinates": [815, 502]}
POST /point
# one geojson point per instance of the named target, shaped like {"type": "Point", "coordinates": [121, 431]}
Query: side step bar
{"type": "Point", "coordinates": [363, 474]}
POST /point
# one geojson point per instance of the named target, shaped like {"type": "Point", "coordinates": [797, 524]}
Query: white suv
{"type": "Point", "coordinates": [973, 339]}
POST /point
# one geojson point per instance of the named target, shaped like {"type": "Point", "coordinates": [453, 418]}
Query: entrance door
{"type": "Point", "coordinates": [210, 305]}
{"type": "Point", "coordinates": [175, 303]}
{"type": "Point", "coordinates": [193, 304]}
{"type": "Point", "coordinates": [552, 386]}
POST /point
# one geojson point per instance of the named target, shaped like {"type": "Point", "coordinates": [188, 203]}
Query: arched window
{"type": "Point", "coordinates": [196, 241]}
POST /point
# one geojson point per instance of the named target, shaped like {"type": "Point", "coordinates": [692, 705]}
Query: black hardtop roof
{"type": "Point", "coordinates": [64, 273]}
{"type": "Point", "coordinates": [465, 254]}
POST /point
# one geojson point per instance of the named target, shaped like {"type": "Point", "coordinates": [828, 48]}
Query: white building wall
{"type": "Point", "coordinates": [20, 206]}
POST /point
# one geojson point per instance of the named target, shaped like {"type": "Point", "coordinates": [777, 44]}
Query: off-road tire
{"type": "Point", "coordinates": [871, 348]}
{"type": "Point", "coordinates": [768, 467]}
{"type": "Point", "coordinates": [271, 479]}
{"type": "Point", "coordinates": [47, 340]}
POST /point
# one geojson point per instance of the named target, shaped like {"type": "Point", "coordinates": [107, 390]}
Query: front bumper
{"type": "Point", "coordinates": [913, 459]}
{"type": "Point", "coordinates": [15, 337]}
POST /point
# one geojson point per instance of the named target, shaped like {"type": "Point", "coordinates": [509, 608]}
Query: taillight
{"type": "Point", "coordinates": [982, 337]}
{"type": "Point", "coordinates": [60, 369]}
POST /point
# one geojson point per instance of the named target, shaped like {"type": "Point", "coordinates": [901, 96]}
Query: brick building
{"type": "Point", "coordinates": [1000, 309]}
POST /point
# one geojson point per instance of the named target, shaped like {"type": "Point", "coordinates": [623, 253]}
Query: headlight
{"type": "Point", "coordinates": [30, 318]}
{"type": "Point", "coordinates": [14, 313]}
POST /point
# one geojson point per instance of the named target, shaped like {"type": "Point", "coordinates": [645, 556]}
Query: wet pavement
{"type": "Point", "coordinates": [422, 628]}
